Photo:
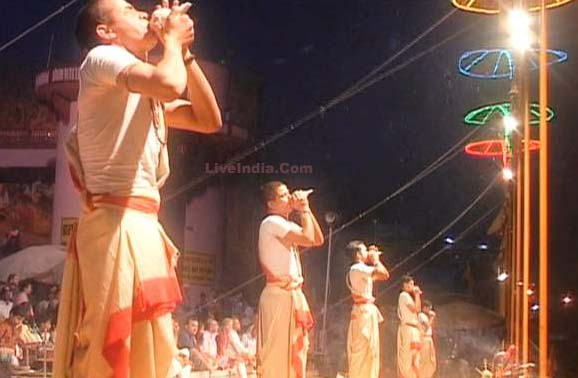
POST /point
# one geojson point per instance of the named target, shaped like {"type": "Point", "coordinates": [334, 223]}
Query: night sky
{"type": "Point", "coordinates": [308, 51]}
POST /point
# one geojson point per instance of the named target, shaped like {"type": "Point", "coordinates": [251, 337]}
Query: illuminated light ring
{"type": "Point", "coordinates": [484, 115]}
{"type": "Point", "coordinates": [499, 63]}
{"type": "Point", "coordinates": [493, 6]}
{"type": "Point", "coordinates": [494, 148]}
{"type": "Point", "coordinates": [471, 60]}
{"type": "Point", "coordinates": [559, 56]}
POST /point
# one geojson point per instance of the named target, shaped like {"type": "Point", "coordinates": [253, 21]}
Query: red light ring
{"type": "Point", "coordinates": [494, 148]}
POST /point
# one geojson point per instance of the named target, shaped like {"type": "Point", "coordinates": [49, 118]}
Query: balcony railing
{"type": "Point", "coordinates": [28, 138]}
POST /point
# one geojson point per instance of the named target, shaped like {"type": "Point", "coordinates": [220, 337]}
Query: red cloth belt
{"type": "Point", "coordinates": [141, 204]}
{"type": "Point", "coordinates": [358, 299]}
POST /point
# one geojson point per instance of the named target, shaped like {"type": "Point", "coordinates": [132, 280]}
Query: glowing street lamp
{"type": "Point", "coordinates": [449, 240]}
{"type": "Point", "coordinates": [520, 33]}
{"type": "Point", "coordinates": [535, 307]}
{"type": "Point", "coordinates": [502, 276]}
{"type": "Point", "coordinates": [507, 174]}
{"type": "Point", "coordinates": [483, 246]}
{"type": "Point", "coordinates": [566, 299]}
{"type": "Point", "coordinates": [510, 123]}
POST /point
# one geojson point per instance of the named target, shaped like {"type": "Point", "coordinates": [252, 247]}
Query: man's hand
{"type": "Point", "coordinates": [300, 200]}
{"type": "Point", "coordinates": [373, 257]}
{"type": "Point", "coordinates": [310, 234]}
{"type": "Point", "coordinates": [373, 254]}
{"type": "Point", "coordinates": [173, 24]}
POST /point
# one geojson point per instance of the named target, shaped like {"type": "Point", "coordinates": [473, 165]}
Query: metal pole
{"type": "Point", "coordinates": [527, 219]}
{"type": "Point", "coordinates": [544, 205]}
{"type": "Point", "coordinates": [518, 264]}
{"type": "Point", "coordinates": [328, 270]}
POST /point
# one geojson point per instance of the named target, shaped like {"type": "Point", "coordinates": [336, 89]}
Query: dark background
{"type": "Point", "coordinates": [307, 52]}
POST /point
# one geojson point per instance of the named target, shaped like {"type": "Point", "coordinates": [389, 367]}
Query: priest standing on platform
{"type": "Point", "coordinates": [284, 315]}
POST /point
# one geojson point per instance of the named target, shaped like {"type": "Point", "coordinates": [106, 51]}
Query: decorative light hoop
{"type": "Point", "coordinates": [499, 63]}
{"type": "Point", "coordinates": [494, 148]}
{"type": "Point", "coordinates": [485, 114]}
{"type": "Point", "coordinates": [493, 6]}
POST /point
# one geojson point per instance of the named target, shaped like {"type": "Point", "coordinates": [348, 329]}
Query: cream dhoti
{"type": "Point", "coordinates": [408, 345]}
{"type": "Point", "coordinates": [363, 341]}
{"type": "Point", "coordinates": [282, 336]}
{"type": "Point", "coordinates": [118, 291]}
{"type": "Point", "coordinates": [427, 358]}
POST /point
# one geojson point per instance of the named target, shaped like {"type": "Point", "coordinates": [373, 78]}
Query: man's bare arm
{"type": "Point", "coordinates": [415, 306]}
{"type": "Point", "coordinates": [305, 235]}
{"type": "Point", "coordinates": [201, 113]}
{"type": "Point", "coordinates": [380, 273]}
{"type": "Point", "coordinates": [309, 234]}
{"type": "Point", "coordinates": [165, 81]}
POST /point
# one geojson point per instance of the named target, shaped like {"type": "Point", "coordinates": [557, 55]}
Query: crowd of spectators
{"type": "Point", "coordinates": [211, 334]}
{"type": "Point", "coordinates": [27, 320]}
{"type": "Point", "coordinates": [216, 335]}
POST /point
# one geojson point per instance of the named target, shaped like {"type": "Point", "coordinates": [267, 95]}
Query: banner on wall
{"type": "Point", "coordinates": [66, 227]}
{"type": "Point", "coordinates": [196, 268]}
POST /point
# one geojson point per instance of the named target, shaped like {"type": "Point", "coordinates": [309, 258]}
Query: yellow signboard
{"type": "Point", "coordinates": [66, 227]}
{"type": "Point", "coordinates": [196, 268]}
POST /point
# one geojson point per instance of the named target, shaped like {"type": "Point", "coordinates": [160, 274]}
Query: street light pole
{"type": "Point", "coordinates": [544, 205]}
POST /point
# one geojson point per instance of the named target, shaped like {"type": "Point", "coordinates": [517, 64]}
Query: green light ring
{"type": "Point", "coordinates": [484, 115]}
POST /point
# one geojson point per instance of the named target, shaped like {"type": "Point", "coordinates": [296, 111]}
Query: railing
{"type": "Point", "coordinates": [28, 138]}
{"type": "Point", "coordinates": [56, 75]}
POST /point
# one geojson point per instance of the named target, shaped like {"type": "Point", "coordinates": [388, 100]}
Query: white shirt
{"type": "Point", "coordinates": [236, 347]}
{"type": "Point", "coordinates": [209, 344]}
{"type": "Point", "coordinates": [275, 256]}
{"type": "Point", "coordinates": [249, 342]}
{"type": "Point", "coordinates": [119, 146]}
{"type": "Point", "coordinates": [425, 326]}
{"type": "Point", "coordinates": [361, 280]}
{"type": "Point", "coordinates": [406, 316]}
{"type": "Point", "coordinates": [5, 308]}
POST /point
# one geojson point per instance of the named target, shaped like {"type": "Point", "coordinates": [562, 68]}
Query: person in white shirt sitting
{"type": "Point", "coordinates": [249, 340]}
{"type": "Point", "coordinates": [208, 345]}
{"type": "Point", "coordinates": [232, 350]}
{"type": "Point", "coordinates": [5, 303]}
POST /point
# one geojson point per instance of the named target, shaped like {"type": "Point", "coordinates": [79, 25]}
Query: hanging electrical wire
{"type": "Point", "coordinates": [347, 94]}
{"type": "Point", "coordinates": [439, 162]}
{"type": "Point", "coordinates": [388, 61]}
{"type": "Point", "coordinates": [438, 253]}
{"type": "Point", "coordinates": [37, 25]}
{"type": "Point", "coordinates": [452, 223]}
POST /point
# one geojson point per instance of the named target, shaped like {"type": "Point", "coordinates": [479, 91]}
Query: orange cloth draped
{"type": "Point", "coordinates": [118, 291]}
